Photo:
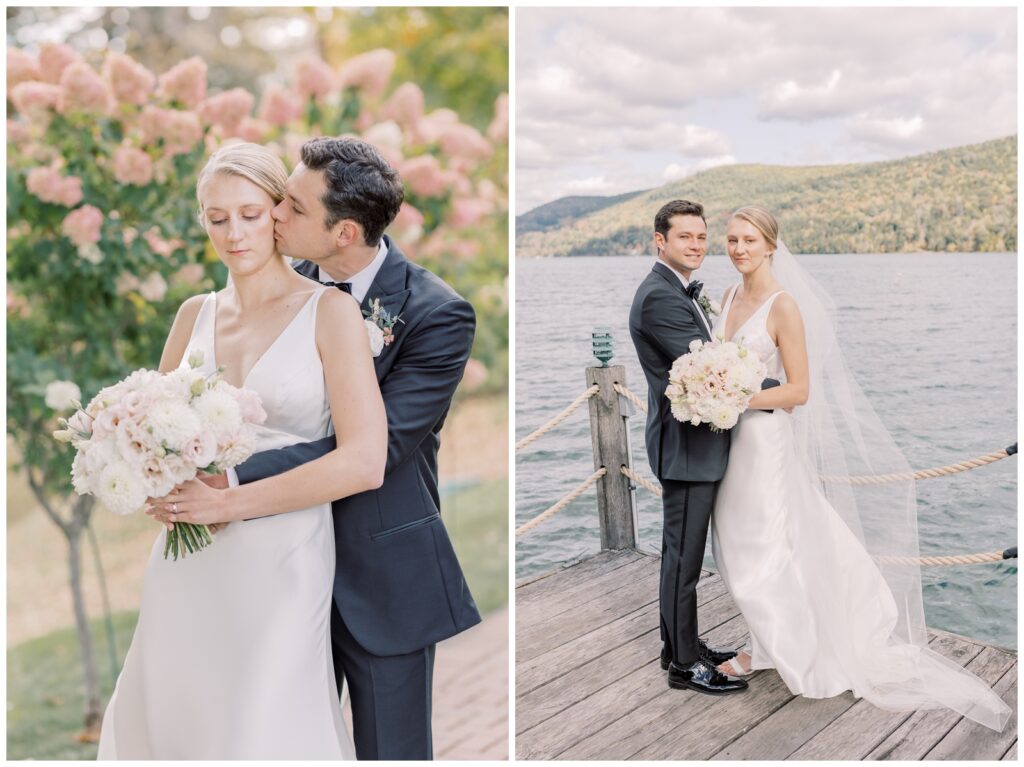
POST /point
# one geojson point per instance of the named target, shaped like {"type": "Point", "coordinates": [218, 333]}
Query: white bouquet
{"type": "Point", "coordinates": [713, 384]}
{"type": "Point", "coordinates": [143, 436]}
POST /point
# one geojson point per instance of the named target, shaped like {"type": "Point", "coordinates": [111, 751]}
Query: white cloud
{"type": "Point", "coordinates": [640, 95]}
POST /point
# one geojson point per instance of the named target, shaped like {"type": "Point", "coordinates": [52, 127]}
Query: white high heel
{"type": "Point", "coordinates": [735, 669]}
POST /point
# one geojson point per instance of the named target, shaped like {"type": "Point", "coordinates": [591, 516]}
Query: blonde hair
{"type": "Point", "coordinates": [252, 162]}
{"type": "Point", "coordinates": [761, 220]}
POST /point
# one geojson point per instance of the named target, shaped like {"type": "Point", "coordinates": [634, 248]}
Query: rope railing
{"type": "Point", "coordinates": [576, 403]}
{"type": "Point", "coordinates": [641, 481]}
{"type": "Point", "coordinates": [550, 512]}
{"type": "Point", "coordinates": [953, 559]}
{"type": "Point", "coordinates": [878, 479]}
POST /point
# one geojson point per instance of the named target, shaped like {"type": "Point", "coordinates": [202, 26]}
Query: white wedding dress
{"type": "Point", "coordinates": [817, 606]}
{"type": "Point", "coordinates": [231, 657]}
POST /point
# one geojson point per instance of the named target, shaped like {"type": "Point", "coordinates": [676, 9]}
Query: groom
{"type": "Point", "coordinates": [688, 460]}
{"type": "Point", "coordinates": [398, 588]}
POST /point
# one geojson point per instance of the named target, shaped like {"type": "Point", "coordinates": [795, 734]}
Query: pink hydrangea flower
{"type": "Point", "coordinates": [408, 224]}
{"type": "Point", "coordinates": [185, 82]}
{"type": "Point", "coordinates": [153, 288]}
{"type": "Point", "coordinates": [82, 90]}
{"type": "Point", "coordinates": [464, 141]}
{"type": "Point", "coordinates": [17, 132]}
{"type": "Point", "coordinates": [130, 82]}
{"type": "Point", "coordinates": [82, 225]}
{"type": "Point", "coordinates": [313, 77]}
{"type": "Point", "coordinates": [227, 109]}
{"type": "Point", "coordinates": [54, 58]}
{"type": "Point", "coordinates": [21, 67]}
{"type": "Point", "coordinates": [467, 211]}
{"type": "Point", "coordinates": [279, 106]}
{"type": "Point", "coordinates": [181, 131]}
{"type": "Point", "coordinates": [370, 71]}
{"type": "Point", "coordinates": [405, 105]}
{"type": "Point", "coordinates": [252, 130]}
{"type": "Point", "coordinates": [497, 131]}
{"type": "Point", "coordinates": [125, 283]}
{"type": "Point", "coordinates": [464, 250]}
{"type": "Point", "coordinates": [34, 99]}
{"type": "Point", "coordinates": [132, 166]}
{"type": "Point", "coordinates": [423, 176]}
{"type": "Point", "coordinates": [49, 185]}
{"type": "Point", "coordinates": [428, 128]}
{"type": "Point", "coordinates": [190, 274]}
{"type": "Point", "coordinates": [475, 375]}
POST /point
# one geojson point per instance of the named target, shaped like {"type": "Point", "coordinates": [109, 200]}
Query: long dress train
{"type": "Point", "coordinates": [817, 606]}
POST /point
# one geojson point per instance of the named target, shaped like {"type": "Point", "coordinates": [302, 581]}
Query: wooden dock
{"type": "Point", "coordinates": [589, 684]}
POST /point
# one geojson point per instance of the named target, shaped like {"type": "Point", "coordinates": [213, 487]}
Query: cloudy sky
{"type": "Point", "coordinates": [610, 100]}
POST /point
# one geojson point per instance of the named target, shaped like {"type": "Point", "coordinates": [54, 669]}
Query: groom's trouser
{"type": "Point", "coordinates": [391, 697]}
{"type": "Point", "coordinates": [687, 508]}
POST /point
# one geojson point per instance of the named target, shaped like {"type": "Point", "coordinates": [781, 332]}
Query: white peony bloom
{"type": "Point", "coordinates": [376, 337]}
{"type": "Point", "coordinates": [62, 395]}
{"type": "Point", "coordinates": [172, 423]}
{"type": "Point", "coordinates": [236, 448]}
{"type": "Point", "coordinates": [100, 453]}
{"type": "Point", "coordinates": [218, 411]}
{"type": "Point", "coordinates": [120, 489]}
{"type": "Point", "coordinates": [79, 474]}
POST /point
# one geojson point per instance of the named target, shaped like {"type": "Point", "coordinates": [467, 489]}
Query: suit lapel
{"type": "Point", "coordinates": [698, 314]}
{"type": "Point", "coordinates": [389, 288]}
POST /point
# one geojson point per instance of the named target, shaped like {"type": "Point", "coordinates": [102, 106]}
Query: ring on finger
{"type": "Point", "coordinates": [174, 508]}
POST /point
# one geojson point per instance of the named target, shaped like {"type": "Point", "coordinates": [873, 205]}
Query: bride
{"type": "Point", "coordinates": [823, 570]}
{"type": "Point", "coordinates": [231, 657]}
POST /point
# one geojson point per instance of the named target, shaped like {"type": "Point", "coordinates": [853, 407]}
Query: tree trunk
{"type": "Point", "coordinates": [80, 518]}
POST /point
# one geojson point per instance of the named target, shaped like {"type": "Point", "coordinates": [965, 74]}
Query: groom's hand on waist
{"type": "Point", "coordinates": [769, 383]}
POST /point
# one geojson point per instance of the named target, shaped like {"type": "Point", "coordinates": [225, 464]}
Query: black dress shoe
{"type": "Point", "coordinates": [703, 677]}
{"type": "Point", "coordinates": [714, 655]}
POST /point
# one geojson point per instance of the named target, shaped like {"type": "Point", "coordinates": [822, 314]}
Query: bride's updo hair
{"type": "Point", "coordinates": [763, 221]}
{"type": "Point", "coordinates": [250, 161]}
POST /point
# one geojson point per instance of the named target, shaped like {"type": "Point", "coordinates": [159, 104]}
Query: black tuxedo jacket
{"type": "Point", "coordinates": [662, 322]}
{"type": "Point", "coordinates": [398, 584]}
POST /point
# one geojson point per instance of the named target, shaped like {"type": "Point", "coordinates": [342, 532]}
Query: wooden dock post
{"type": "Point", "coordinates": [609, 434]}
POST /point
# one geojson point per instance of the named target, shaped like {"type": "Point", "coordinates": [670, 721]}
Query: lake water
{"type": "Point", "coordinates": [932, 340]}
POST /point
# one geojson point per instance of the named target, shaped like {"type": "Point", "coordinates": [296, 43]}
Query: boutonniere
{"type": "Point", "coordinates": [709, 306]}
{"type": "Point", "coordinates": [380, 325]}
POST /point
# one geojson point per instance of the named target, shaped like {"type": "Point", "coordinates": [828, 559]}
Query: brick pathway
{"type": "Point", "coordinates": [471, 692]}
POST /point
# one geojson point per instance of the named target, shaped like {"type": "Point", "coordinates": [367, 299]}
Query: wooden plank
{"type": "Point", "coordinates": [591, 663]}
{"type": "Point", "coordinates": [580, 572]}
{"type": "Point", "coordinates": [925, 729]}
{"type": "Point", "coordinates": [532, 672]}
{"type": "Point", "coordinates": [530, 612]}
{"type": "Point", "coordinates": [532, 641]}
{"type": "Point", "coordinates": [607, 705]}
{"type": "Point", "coordinates": [556, 734]}
{"type": "Point", "coordinates": [682, 724]}
{"type": "Point", "coordinates": [862, 727]}
{"type": "Point", "coordinates": [787, 729]}
{"type": "Point", "coordinates": [970, 740]}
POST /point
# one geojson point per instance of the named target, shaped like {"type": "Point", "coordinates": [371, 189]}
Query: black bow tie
{"type": "Point", "coordinates": [693, 289]}
{"type": "Point", "coordinates": [343, 286]}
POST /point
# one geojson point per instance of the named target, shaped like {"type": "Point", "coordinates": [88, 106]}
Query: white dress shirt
{"type": "Point", "coordinates": [686, 284]}
{"type": "Point", "coordinates": [361, 282]}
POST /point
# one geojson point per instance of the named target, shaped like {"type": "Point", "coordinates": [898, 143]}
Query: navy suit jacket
{"type": "Point", "coordinates": [398, 584]}
{"type": "Point", "coordinates": [662, 322]}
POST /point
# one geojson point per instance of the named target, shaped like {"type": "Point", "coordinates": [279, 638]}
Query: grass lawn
{"type": "Point", "coordinates": [45, 696]}
{"type": "Point", "coordinates": [477, 520]}
{"type": "Point", "coordinates": [44, 677]}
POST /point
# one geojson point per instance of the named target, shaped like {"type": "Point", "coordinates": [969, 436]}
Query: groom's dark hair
{"type": "Point", "coordinates": [361, 184]}
{"type": "Point", "coordinates": [663, 219]}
